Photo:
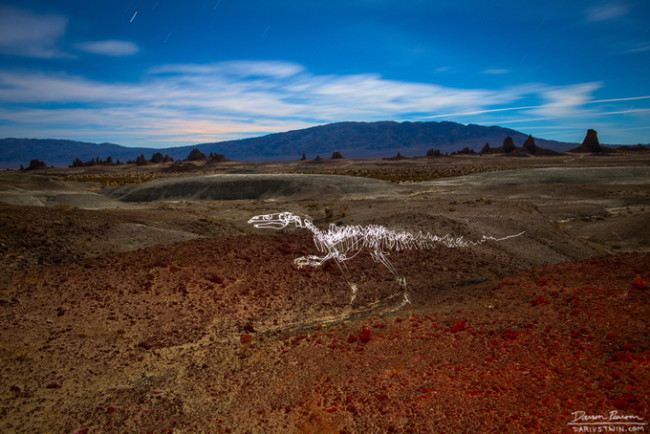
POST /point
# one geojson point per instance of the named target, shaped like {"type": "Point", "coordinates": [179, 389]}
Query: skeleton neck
{"type": "Point", "coordinates": [304, 223]}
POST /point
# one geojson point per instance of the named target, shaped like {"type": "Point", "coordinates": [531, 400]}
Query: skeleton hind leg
{"type": "Point", "coordinates": [382, 257]}
{"type": "Point", "coordinates": [346, 276]}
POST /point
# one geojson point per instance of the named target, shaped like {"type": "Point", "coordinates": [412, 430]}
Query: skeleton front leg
{"type": "Point", "coordinates": [311, 260]}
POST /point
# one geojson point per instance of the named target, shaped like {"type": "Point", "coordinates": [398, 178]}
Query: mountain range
{"type": "Point", "coordinates": [351, 139]}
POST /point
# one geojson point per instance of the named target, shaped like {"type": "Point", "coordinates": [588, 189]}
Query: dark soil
{"type": "Point", "coordinates": [226, 334]}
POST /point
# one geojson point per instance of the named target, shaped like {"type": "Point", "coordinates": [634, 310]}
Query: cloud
{"type": "Point", "coordinates": [42, 88]}
{"type": "Point", "coordinates": [496, 71]}
{"type": "Point", "coordinates": [638, 48]}
{"type": "Point", "coordinates": [240, 68]}
{"type": "Point", "coordinates": [261, 89]}
{"type": "Point", "coordinates": [193, 103]}
{"type": "Point", "coordinates": [606, 12]}
{"type": "Point", "coordinates": [480, 112]}
{"type": "Point", "coordinates": [628, 111]}
{"type": "Point", "coordinates": [148, 127]}
{"type": "Point", "coordinates": [26, 34]}
{"type": "Point", "coordinates": [566, 101]}
{"type": "Point", "coordinates": [109, 48]}
{"type": "Point", "coordinates": [557, 102]}
{"type": "Point", "coordinates": [630, 98]}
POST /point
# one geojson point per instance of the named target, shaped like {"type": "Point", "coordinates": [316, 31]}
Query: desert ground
{"type": "Point", "coordinates": [139, 299]}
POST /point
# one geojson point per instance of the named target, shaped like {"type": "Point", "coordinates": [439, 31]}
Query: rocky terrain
{"type": "Point", "coordinates": [139, 300]}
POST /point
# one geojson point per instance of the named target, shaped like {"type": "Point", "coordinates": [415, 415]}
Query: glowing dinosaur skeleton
{"type": "Point", "coordinates": [342, 243]}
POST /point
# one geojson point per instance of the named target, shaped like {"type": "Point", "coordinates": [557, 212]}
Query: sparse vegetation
{"type": "Point", "coordinates": [415, 173]}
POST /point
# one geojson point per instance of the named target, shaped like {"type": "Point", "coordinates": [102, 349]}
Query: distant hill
{"type": "Point", "coordinates": [60, 153]}
{"type": "Point", "coordinates": [351, 139]}
{"type": "Point", "coordinates": [371, 140]}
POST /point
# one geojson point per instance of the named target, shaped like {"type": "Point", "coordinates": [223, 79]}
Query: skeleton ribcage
{"type": "Point", "coordinates": [349, 239]}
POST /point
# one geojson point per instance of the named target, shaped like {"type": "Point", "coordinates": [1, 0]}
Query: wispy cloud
{"type": "Point", "coordinates": [628, 111]}
{"type": "Point", "coordinates": [23, 33]}
{"type": "Point", "coordinates": [27, 34]}
{"type": "Point", "coordinates": [606, 12]}
{"type": "Point", "coordinates": [631, 98]}
{"type": "Point", "coordinates": [558, 102]}
{"type": "Point", "coordinates": [191, 103]}
{"type": "Point", "coordinates": [109, 48]}
{"type": "Point", "coordinates": [43, 88]}
{"type": "Point", "coordinates": [496, 71]}
{"type": "Point", "coordinates": [480, 112]}
{"type": "Point", "coordinates": [638, 48]}
{"type": "Point", "coordinates": [267, 89]}
{"type": "Point", "coordinates": [566, 101]}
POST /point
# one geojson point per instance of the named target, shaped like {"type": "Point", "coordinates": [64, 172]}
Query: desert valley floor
{"type": "Point", "coordinates": [138, 299]}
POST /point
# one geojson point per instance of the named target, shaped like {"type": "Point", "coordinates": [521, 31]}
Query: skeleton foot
{"type": "Point", "coordinates": [312, 261]}
{"type": "Point", "coordinates": [353, 287]}
{"type": "Point", "coordinates": [401, 304]}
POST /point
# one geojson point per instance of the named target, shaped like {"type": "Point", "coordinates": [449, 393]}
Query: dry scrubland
{"type": "Point", "coordinates": [137, 299]}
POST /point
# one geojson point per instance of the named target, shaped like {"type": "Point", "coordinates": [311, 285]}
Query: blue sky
{"type": "Point", "coordinates": [162, 73]}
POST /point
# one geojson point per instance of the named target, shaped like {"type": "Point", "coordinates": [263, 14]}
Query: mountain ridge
{"type": "Point", "coordinates": [351, 139]}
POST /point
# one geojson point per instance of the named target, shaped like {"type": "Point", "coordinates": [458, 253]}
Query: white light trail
{"type": "Point", "coordinates": [342, 243]}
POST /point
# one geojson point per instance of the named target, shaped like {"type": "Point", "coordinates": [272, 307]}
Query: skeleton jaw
{"type": "Point", "coordinates": [267, 224]}
{"type": "Point", "coordinates": [269, 221]}
{"type": "Point", "coordinates": [273, 221]}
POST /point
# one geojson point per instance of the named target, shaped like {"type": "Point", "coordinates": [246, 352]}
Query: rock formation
{"type": "Point", "coordinates": [508, 145]}
{"type": "Point", "coordinates": [589, 144]}
{"type": "Point", "coordinates": [530, 146]}
{"type": "Point", "coordinates": [398, 156]}
{"type": "Point", "coordinates": [195, 155]}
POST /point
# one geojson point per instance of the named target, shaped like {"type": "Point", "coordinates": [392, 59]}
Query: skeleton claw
{"type": "Point", "coordinates": [301, 262]}
{"type": "Point", "coordinates": [313, 261]}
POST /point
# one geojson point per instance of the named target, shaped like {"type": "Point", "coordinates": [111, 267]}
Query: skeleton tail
{"type": "Point", "coordinates": [425, 241]}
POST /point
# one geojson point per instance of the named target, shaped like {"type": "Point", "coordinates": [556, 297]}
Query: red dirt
{"type": "Point", "coordinates": [223, 336]}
